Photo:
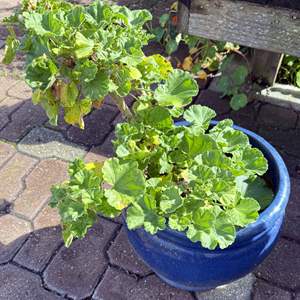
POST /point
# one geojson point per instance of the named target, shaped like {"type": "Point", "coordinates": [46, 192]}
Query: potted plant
{"type": "Point", "coordinates": [200, 206]}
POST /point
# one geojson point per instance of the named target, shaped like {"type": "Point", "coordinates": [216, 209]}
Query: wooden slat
{"type": "Point", "coordinates": [249, 24]}
{"type": "Point", "coordinates": [266, 65]}
{"type": "Point", "coordinates": [183, 15]}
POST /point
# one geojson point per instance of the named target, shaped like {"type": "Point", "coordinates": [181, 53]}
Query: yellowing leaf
{"type": "Point", "coordinates": [74, 115]}
{"type": "Point", "coordinates": [98, 103]}
{"type": "Point", "coordinates": [202, 75]}
{"type": "Point", "coordinates": [135, 73]}
{"type": "Point", "coordinates": [68, 94]}
{"type": "Point", "coordinates": [187, 63]}
{"type": "Point", "coordinates": [36, 96]}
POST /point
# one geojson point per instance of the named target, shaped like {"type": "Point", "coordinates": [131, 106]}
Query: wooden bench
{"type": "Point", "coordinates": [270, 27]}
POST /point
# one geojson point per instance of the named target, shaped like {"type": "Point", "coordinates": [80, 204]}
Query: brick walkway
{"type": "Point", "coordinates": [35, 265]}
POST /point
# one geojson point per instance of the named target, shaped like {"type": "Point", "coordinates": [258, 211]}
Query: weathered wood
{"type": "Point", "coordinates": [183, 15]}
{"type": "Point", "coordinates": [250, 24]}
{"type": "Point", "coordinates": [265, 65]}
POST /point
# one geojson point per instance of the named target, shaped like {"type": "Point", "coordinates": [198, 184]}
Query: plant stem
{"type": "Point", "coordinates": [120, 102]}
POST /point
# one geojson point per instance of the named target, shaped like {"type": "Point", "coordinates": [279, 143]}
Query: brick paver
{"type": "Point", "coordinates": [20, 91]}
{"type": "Point", "coordinates": [7, 107]}
{"type": "Point", "coordinates": [119, 285]}
{"type": "Point", "coordinates": [5, 84]}
{"type": "Point", "coordinates": [282, 267]}
{"type": "Point", "coordinates": [277, 117]}
{"type": "Point", "coordinates": [264, 290]}
{"type": "Point", "coordinates": [6, 152]}
{"type": "Point", "coordinates": [39, 248]}
{"type": "Point", "coordinates": [11, 177]}
{"type": "Point", "coordinates": [288, 140]}
{"type": "Point", "coordinates": [20, 284]}
{"type": "Point", "coordinates": [238, 290]}
{"type": "Point", "coordinates": [46, 143]}
{"type": "Point", "coordinates": [13, 232]}
{"type": "Point", "coordinates": [212, 99]}
{"type": "Point", "coordinates": [35, 265]}
{"type": "Point", "coordinates": [24, 119]}
{"type": "Point", "coordinates": [76, 271]}
{"type": "Point", "coordinates": [292, 221]}
{"type": "Point", "coordinates": [38, 185]}
{"type": "Point", "coordinates": [122, 254]}
{"type": "Point", "coordinates": [97, 127]}
{"type": "Point", "coordinates": [48, 217]}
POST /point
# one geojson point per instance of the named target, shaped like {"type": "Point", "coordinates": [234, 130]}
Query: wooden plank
{"type": "Point", "coordinates": [250, 24]}
{"type": "Point", "coordinates": [266, 65]}
{"type": "Point", "coordinates": [183, 15]}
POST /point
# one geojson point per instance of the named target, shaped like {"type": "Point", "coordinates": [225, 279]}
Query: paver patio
{"type": "Point", "coordinates": [34, 264]}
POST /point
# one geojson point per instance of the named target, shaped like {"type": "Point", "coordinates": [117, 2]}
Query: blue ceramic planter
{"type": "Point", "coordinates": [187, 265]}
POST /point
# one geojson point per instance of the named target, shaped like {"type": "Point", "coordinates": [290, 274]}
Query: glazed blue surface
{"type": "Point", "coordinates": [187, 265]}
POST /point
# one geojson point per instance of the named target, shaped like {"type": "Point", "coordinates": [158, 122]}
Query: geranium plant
{"type": "Point", "coordinates": [202, 180]}
{"type": "Point", "coordinates": [205, 58]}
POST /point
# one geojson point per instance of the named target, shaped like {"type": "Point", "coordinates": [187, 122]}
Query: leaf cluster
{"type": "Point", "coordinates": [200, 180]}
{"type": "Point", "coordinates": [231, 83]}
{"type": "Point", "coordinates": [204, 58]}
{"type": "Point", "coordinates": [77, 55]}
{"type": "Point", "coordinates": [289, 72]}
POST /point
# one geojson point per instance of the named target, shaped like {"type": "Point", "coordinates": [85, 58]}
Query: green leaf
{"type": "Point", "coordinates": [298, 78]}
{"type": "Point", "coordinates": [36, 96]}
{"type": "Point", "coordinates": [239, 101]}
{"type": "Point", "coordinates": [96, 88]}
{"type": "Point", "coordinates": [178, 90]}
{"type": "Point", "coordinates": [239, 75]}
{"type": "Point", "coordinates": [76, 16]}
{"type": "Point", "coordinates": [154, 68]}
{"type": "Point", "coordinates": [135, 217]}
{"type": "Point", "coordinates": [96, 13]}
{"type": "Point", "coordinates": [33, 21]}
{"type": "Point", "coordinates": [158, 117]}
{"type": "Point", "coordinates": [52, 25]}
{"type": "Point", "coordinates": [170, 200]}
{"type": "Point", "coordinates": [194, 145]}
{"type": "Point", "coordinates": [134, 73]}
{"type": "Point", "coordinates": [215, 158]}
{"type": "Point", "coordinates": [254, 161]}
{"type": "Point", "coordinates": [199, 115]}
{"type": "Point", "coordinates": [86, 71]}
{"type": "Point", "coordinates": [223, 84]}
{"type": "Point", "coordinates": [179, 223]}
{"type": "Point", "coordinates": [83, 47]}
{"type": "Point", "coordinates": [163, 19]}
{"type": "Point", "coordinates": [153, 222]}
{"type": "Point", "coordinates": [171, 46]}
{"type": "Point", "coordinates": [259, 190]}
{"type": "Point", "coordinates": [211, 228]}
{"type": "Point", "coordinates": [158, 33]}
{"type": "Point", "coordinates": [107, 210]}
{"type": "Point", "coordinates": [117, 200]}
{"type": "Point", "coordinates": [123, 82]}
{"type": "Point", "coordinates": [68, 237]}
{"type": "Point", "coordinates": [124, 178]}
{"type": "Point", "coordinates": [41, 73]}
{"type": "Point", "coordinates": [234, 140]}
{"type": "Point", "coordinates": [136, 17]}
{"type": "Point", "coordinates": [244, 213]}
{"type": "Point", "coordinates": [11, 48]}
